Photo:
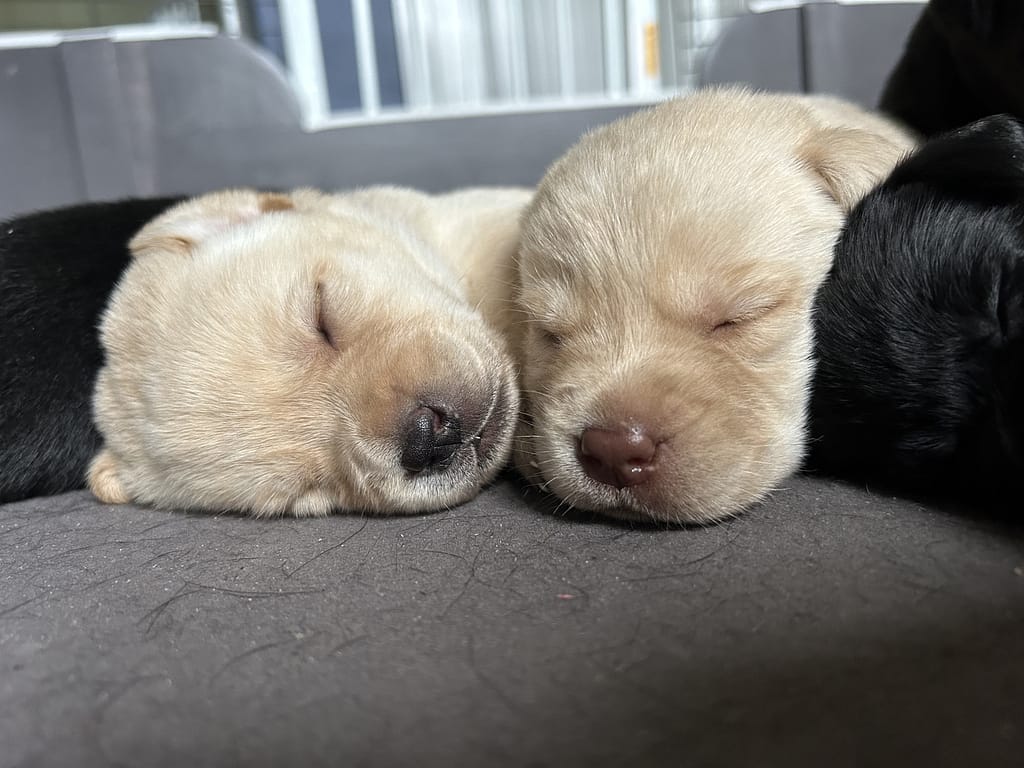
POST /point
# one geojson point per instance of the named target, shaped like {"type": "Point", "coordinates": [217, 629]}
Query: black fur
{"type": "Point", "coordinates": [964, 60]}
{"type": "Point", "coordinates": [920, 326]}
{"type": "Point", "coordinates": [57, 269]}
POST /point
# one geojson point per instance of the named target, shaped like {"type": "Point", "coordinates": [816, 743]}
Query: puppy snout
{"type": "Point", "coordinates": [432, 436]}
{"type": "Point", "coordinates": [620, 457]}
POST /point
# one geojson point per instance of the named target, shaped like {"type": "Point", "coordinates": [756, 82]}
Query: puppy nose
{"type": "Point", "coordinates": [618, 457]}
{"type": "Point", "coordinates": [432, 435]}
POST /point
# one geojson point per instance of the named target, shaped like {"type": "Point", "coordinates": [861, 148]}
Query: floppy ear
{"type": "Point", "coordinates": [983, 161]}
{"type": "Point", "coordinates": [186, 225]}
{"type": "Point", "coordinates": [850, 162]}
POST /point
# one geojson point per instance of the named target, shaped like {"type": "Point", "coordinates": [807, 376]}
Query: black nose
{"type": "Point", "coordinates": [432, 435]}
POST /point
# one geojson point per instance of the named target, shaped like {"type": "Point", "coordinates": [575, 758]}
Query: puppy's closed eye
{"type": "Point", "coordinates": [743, 314]}
{"type": "Point", "coordinates": [321, 321]}
{"type": "Point", "coordinates": [550, 336]}
{"type": "Point", "coordinates": [552, 339]}
{"type": "Point", "coordinates": [725, 325]}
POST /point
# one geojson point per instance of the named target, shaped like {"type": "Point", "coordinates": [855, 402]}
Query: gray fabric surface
{"type": "Point", "coordinates": [826, 627]}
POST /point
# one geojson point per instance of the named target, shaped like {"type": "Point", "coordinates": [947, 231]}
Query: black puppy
{"type": "Point", "coordinates": [920, 326]}
{"type": "Point", "coordinates": [57, 269]}
{"type": "Point", "coordinates": [964, 60]}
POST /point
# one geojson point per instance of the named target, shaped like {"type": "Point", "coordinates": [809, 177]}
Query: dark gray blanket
{"type": "Point", "coordinates": [826, 627]}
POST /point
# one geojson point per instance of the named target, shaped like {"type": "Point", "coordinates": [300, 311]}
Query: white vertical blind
{"type": "Point", "coordinates": [366, 56]}
{"type": "Point", "coordinates": [300, 29]}
{"type": "Point", "coordinates": [465, 54]}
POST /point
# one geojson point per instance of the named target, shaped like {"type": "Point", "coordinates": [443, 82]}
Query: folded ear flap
{"type": "Point", "coordinates": [850, 162]}
{"type": "Point", "coordinates": [186, 225]}
{"type": "Point", "coordinates": [983, 161]}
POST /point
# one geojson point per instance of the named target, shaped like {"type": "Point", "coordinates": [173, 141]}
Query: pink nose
{"type": "Point", "coordinates": [619, 457]}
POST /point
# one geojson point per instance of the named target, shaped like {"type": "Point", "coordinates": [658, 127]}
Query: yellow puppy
{"type": "Point", "coordinates": [667, 273]}
{"type": "Point", "coordinates": [295, 354]}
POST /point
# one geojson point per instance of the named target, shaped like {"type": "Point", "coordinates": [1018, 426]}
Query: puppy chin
{"type": "Point", "coordinates": [675, 502]}
{"type": "Point", "coordinates": [676, 491]}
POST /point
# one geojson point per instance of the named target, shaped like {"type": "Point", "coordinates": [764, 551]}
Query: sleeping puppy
{"type": "Point", "coordinates": [667, 272]}
{"type": "Point", "coordinates": [57, 269]}
{"type": "Point", "coordinates": [302, 353]}
{"type": "Point", "coordinates": [920, 327]}
{"type": "Point", "coordinates": [964, 60]}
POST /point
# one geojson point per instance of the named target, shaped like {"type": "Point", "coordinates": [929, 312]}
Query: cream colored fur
{"type": "Point", "coordinates": [220, 392]}
{"type": "Point", "coordinates": [668, 269]}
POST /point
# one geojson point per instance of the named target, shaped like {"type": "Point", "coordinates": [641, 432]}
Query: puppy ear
{"type": "Point", "coordinates": [849, 162]}
{"type": "Point", "coordinates": [104, 479]}
{"type": "Point", "coordinates": [181, 228]}
{"type": "Point", "coordinates": [982, 161]}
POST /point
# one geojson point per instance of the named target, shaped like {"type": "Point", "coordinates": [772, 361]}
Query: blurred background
{"type": "Point", "coordinates": [101, 99]}
{"type": "Point", "coordinates": [354, 60]}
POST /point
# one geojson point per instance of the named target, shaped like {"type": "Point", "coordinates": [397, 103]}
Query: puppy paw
{"type": "Point", "coordinates": [313, 504]}
{"type": "Point", "coordinates": [103, 480]}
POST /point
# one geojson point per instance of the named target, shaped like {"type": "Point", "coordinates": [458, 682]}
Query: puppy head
{"type": "Point", "coordinates": [668, 268]}
{"type": "Point", "coordinates": [922, 391]}
{"type": "Point", "coordinates": [981, 162]}
{"type": "Point", "coordinates": [295, 354]}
